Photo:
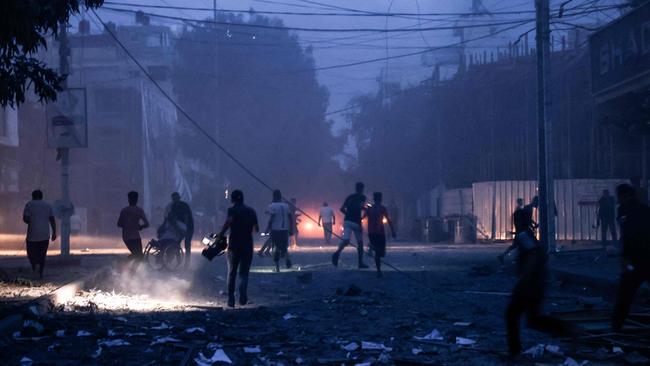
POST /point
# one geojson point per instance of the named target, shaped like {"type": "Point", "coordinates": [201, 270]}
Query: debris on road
{"type": "Point", "coordinates": [113, 343]}
{"type": "Point", "coordinates": [351, 347]}
{"type": "Point", "coordinates": [464, 341]}
{"type": "Point", "coordinates": [254, 349]}
{"type": "Point", "coordinates": [289, 316]}
{"type": "Point", "coordinates": [435, 335]}
{"type": "Point", "coordinates": [163, 340]}
{"type": "Point", "coordinates": [195, 330]}
{"type": "Point", "coordinates": [372, 346]}
{"type": "Point", "coordinates": [218, 356]}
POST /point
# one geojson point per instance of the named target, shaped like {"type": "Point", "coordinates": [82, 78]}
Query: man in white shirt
{"type": "Point", "coordinates": [280, 226]}
{"type": "Point", "coordinates": [327, 220]}
{"type": "Point", "coordinates": [39, 217]}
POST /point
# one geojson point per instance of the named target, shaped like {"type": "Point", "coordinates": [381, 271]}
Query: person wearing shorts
{"type": "Point", "coordinates": [353, 209]}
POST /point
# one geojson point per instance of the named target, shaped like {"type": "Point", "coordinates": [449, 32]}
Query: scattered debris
{"type": "Point", "coordinates": [435, 335]}
{"type": "Point", "coordinates": [464, 341]}
{"type": "Point", "coordinates": [463, 324]}
{"type": "Point", "coordinates": [218, 356]}
{"type": "Point", "coordinates": [535, 351]}
{"type": "Point", "coordinates": [351, 347]}
{"type": "Point", "coordinates": [136, 334]}
{"type": "Point", "coordinates": [113, 343]}
{"type": "Point", "coordinates": [195, 330]}
{"type": "Point", "coordinates": [571, 362]}
{"type": "Point", "coordinates": [162, 326]}
{"type": "Point", "coordinates": [163, 340]}
{"type": "Point", "coordinates": [372, 346]}
{"type": "Point", "coordinates": [254, 349]}
{"type": "Point", "coordinates": [289, 316]}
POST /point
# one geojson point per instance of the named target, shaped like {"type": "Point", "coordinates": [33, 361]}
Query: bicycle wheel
{"type": "Point", "coordinates": [172, 257]}
{"type": "Point", "coordinates": [154, 257]}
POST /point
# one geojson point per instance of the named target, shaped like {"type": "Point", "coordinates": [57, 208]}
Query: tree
{"type": "Point", "coordinates": [262, 101]}
{"type": "Point", "coordinates": [24, 26]}
{"type": "Point", "coordinates": [394, 139]}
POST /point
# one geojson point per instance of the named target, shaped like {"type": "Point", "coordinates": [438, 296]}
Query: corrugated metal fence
{"type": "Point", "coordinates": [576, 201]}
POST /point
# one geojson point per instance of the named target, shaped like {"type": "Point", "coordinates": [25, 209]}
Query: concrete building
{"type": "Point", "coordinates": [132, 128]}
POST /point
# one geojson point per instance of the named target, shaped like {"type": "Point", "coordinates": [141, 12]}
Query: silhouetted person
{"type": "Point", "coordinates": [327, 220]}
{"type": "Point", "coordinates": [280, 224]}
{"type": "Point", "coordinates": [133, 219]}
{"type": "Point", "coordinates": [528, 294]}
{"type": "Point", "coordinates": [183, 213]}
{"type": "Point", "coordinates": [634, 219]}
{"type": "Point", "coordinates": [241, 222]}
{"type": "Point", "coordinates": [522, 220]}
{"type": "Point", "coordinates": [39, 217]}
{"type": "Point", "coordinates": [352, 208]}
{"type": "Point", "coordinates": [296, 221]}
{"type": "Point", "coordinates": [376, 215]}
{"type": "Point", "coordinates": [606, 217]}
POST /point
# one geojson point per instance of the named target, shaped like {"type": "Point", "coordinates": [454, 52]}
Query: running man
{"type": "Point", "coordinates": [376, 214]}
{"type": "Point", "coordinates": [352, 208]}
{"type": "Point", "coordinates": [132, 220]}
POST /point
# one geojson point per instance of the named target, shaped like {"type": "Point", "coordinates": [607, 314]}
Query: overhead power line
{"type": "Point", "coordinates": [356, 13]}
{"type": "Point", "coordinates": [330, 30]}
{"type": "Point", "coordinates": [223, 149]}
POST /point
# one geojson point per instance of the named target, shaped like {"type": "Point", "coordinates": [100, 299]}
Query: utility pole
{"type": "Point", "coordinates": [64, 152]}
{"type": "Point", "coordinates": [546, 201]}
{"type": "Point", "coordinates": [218, 159]}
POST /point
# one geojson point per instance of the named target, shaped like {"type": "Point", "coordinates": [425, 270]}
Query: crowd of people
{"type": "Point", "coordinates": [528, 293]}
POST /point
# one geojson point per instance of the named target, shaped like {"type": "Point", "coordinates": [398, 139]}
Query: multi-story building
{"type": "Point", "coordinates": [131, 127]}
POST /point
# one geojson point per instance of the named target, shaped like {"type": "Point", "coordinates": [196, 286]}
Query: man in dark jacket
{"type": "Point", "coordinates": [634, 220]}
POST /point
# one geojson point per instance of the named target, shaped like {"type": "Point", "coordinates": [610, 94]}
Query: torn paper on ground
{"type": "Point", "coordinates": [372, 346]}
{"type": "Point", "coordinates": [218, 356]}
{"type": "Point", "coordinates": [433, 336]}
{"type": "Point", "coordinates": [163, 340]}
{"type": "Point", "coordinates": [464, 341]}
{"type": "Point", "coordinates": [255, 349]}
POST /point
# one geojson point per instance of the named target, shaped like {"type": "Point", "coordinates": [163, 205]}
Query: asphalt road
{"type": "Point", "coordinates": [310, 314]}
